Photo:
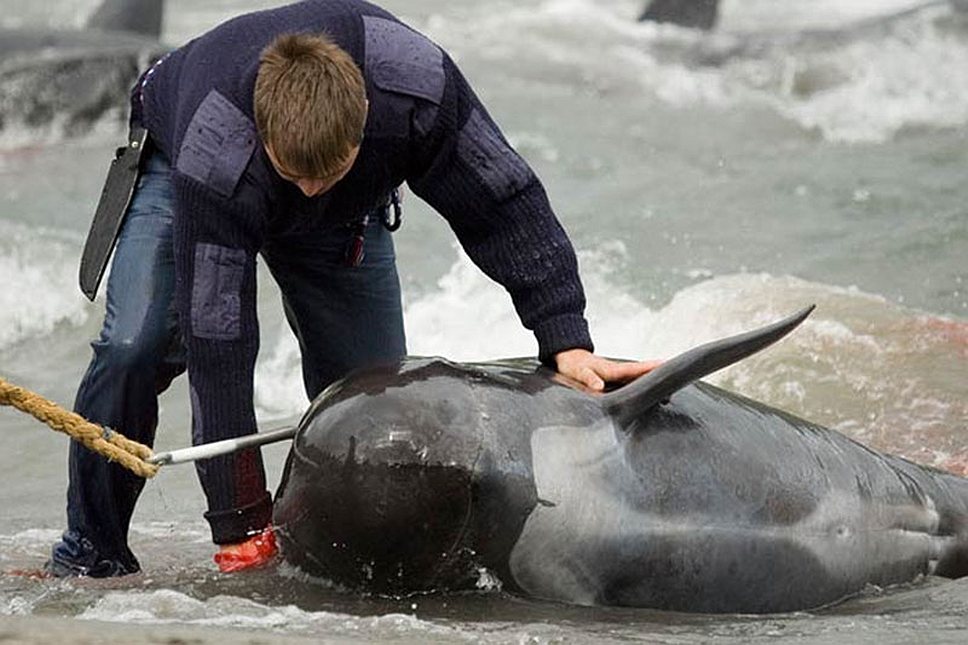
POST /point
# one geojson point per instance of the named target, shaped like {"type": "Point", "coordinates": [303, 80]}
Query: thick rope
{"type": "Point", "coordinates": [103, 441]}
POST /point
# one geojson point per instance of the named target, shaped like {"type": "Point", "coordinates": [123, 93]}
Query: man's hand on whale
{"type": "Point", "coordinates": [594, 371]}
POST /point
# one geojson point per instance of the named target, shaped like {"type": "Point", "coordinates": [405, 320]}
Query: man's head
{"type": "Point", "coordinates": [310, 109]}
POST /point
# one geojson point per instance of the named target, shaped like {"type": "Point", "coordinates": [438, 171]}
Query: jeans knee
{"type": "Point", "coordinates": [130, 353]}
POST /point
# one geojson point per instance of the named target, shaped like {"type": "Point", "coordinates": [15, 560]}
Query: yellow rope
{"type": "Point", "coordinates": [112, 445]}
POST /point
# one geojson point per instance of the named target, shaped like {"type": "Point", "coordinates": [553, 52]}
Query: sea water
{"type": "Point", "coordinates": [805, 152]}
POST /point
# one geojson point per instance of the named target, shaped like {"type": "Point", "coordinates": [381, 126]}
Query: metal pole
{"type": "Point", "coordinates": [224, 447]}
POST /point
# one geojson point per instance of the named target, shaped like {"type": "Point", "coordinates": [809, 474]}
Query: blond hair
{"type": "Point", "coordinates": [310, 104]}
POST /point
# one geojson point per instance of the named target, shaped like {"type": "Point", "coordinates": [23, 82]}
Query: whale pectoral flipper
{"type": "Point", "coordinates": [632, 400]}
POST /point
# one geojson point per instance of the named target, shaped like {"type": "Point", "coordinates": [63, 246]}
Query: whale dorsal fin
{"type": "Point", "coordinates": [136, 16]}
{"type": "Point", "coordinates": [646, 391]}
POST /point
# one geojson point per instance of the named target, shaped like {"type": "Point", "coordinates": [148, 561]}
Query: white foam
{"type": "Point", "coordinates": [899, 81]}
{"type": "Point", "coordinates": [279, 391]}
{"type": "Point", "coordinates": [39, 271]}
{"type": "Point", "coordinates": [864, 85]}
{"type": "Point", "coordinates": [166, 606]}
{"type": "Point", "coordinates": [17, 135]}
{"type": "Point", "coordinates": [746, 15]}
{"type": "Point", "coordinates": [31, 536]}
{"type": "Point", "coordinates": [470, 317]}
{"type": "Point", "coordinates": [17, 606]}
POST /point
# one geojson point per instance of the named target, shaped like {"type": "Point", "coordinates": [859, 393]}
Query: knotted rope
{"type": "Point", "coordinates": [104, 441]}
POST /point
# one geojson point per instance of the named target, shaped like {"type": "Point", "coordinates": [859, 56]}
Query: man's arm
{"type": "Point", "coordinates": [500, 213]}
{"type": "Point", "coordinates": [215, 244]}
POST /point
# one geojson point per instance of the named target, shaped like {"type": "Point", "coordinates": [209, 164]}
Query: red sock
{"type": "Point", "coordinates": [254, 552]}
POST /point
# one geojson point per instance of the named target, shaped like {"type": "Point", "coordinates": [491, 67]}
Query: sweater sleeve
{"type": "Point", "coordinates": [500, 213]}
{"type": "Point", "coordinates": [216, 240]}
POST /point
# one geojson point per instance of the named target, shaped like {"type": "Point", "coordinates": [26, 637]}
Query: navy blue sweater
{"type": "Point", "coordinates": [425, 127]}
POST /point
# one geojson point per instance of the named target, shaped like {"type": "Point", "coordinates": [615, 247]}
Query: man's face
{"type": "Point", "coordinates": [313, 186]}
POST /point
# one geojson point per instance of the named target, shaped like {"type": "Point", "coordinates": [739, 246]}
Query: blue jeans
{"type": "Point", "coordinates": [344, 317]}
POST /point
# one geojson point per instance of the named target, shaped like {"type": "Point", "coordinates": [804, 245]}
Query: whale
{"type": "Point", "coordinates": [69, 79]}
{"type": "Point", "coordinates": [694, 14]}
{"type": "Point", "coordinates": [429, 475]}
